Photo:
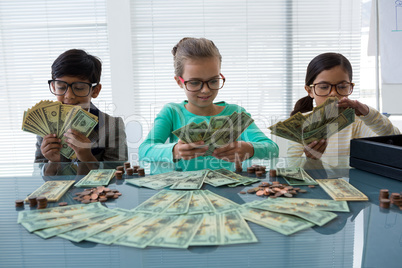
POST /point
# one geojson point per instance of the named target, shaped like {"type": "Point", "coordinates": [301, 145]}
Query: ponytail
{"type": "Point", "coordinates": [303, 105]}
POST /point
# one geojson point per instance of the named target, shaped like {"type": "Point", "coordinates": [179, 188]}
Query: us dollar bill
{"type": "Point", "coordinates": [52, 190]}
{"type": "Point", "coordinates": [235, 229]}
{"type": "Point", "coordinates": [96, 177]}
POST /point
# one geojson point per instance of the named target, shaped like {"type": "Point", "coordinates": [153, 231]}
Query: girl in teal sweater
{"type": "Point", "coordinates": [197, 65]}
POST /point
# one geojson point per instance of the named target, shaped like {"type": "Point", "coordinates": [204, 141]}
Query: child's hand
{"type": "Point", "coordinates": [80, 144]}
{"type": "Point", "coordinates": [360, 108]}
{"type": "Point", "coordinates": [237, 151]}
{"type": "Point", "coordinates": [187, 151]}
{"type": "Point", "coordinates": [50, 147]}
{"type": "Point", "coordinates": [315, 149]}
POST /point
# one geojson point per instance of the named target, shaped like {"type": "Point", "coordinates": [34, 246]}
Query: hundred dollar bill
{"type": "Point", "coordinates": [306, 203]}
{"type": "Point", "coordinates": [81, 122]}
{"type": "Point", "coordinates": [281, 223]}
{"type": "Point", "coordinates": [33, 225]}
{"type": "Point", "coordinates": [160, 201]}
{"type": "Point", "coordinates": [59, 229]}
{"type": "Point", "coordinates": [52, 190]}
{"type": "Point", "coordinates": [235, 229]}
{"type": "Point", "coordinates": [220, 203]}
{"type": "Point", "coordinates": [96, 177]}
{"type": "Point", "coordinates": [318, 217]}
{"type": "Point", "coordinates": [210, 231]}
{"type": "Point", "coordinates": [339, 190]}
{"type": "Point", "coordinates": [117, 230]}
{"type": "Point", "coordinates": [180, 206]}
{"type": "Point", "coordinates": [200, 203]}
{"type": "Point", "coordinates": [143, 234]}
{"type": "Point", "coordinates": [217, 179]}
{"type": "Point", "coordinates": [113, 217]}
{"type": "Point", "coordinates": [179, 233]}
{"type": "Point", "coordinates": [47, 213]}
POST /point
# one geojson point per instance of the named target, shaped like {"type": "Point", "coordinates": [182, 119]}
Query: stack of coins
{"type": "Point", "coordinates": [385, 203]}
{"type": "Point", "coordinates": [19, 203]}
{"type": "Point", "coordinates": [141, 172]}
{"type": "Point", "coordinates": [135, 168]}
{"type": "Point", "coordinates": [120, 168]}
{"type": "Point", "coordinates": [250, 170]}
{"type": "Point", "coordinates": [32, 201]}
{"type": "Point", "coordinates": [258, 173]}
{"type": "Point", "coordinates": [130, 171]}
{"type": "Point", "coordinates": [272, 172]}
{"type": "Point", "coordinates": [127, 165]}
{"type": "Point", "coordinates": [97, 194]}
{"type": "Point", "coordinates": [42, 202]}
{"type": "Point", "coordinates": [263, 169]}
{"type": "Point", "coordinates": [119, 174]}
{"type": "Point", "coordinates": [274, 190]}
{"type": "Point", "coordinates": [386, 200]}
{"type": "Point", "coordinates": [384, 194]}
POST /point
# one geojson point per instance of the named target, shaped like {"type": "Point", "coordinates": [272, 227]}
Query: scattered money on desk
{"type": "Point", "coordinates": [52, 190]}
{"type": "Point", "coordinates": [339, 189]}
{"type": "Point", "coordinates": [179, 219]}
{"type": "Point", "coordinates": [53, 117]}
{"type": "Point", "coordinates": [192, 180]}
{"type": "Point", "coordinates": [220, 131]}
{"type": "Point", "coordinates": [323, 122]}
{"type": "Point", "coordinates": [296, 176]}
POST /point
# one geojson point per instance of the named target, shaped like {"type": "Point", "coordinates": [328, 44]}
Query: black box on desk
{"type": "Point", "coordinates": [380, 155]}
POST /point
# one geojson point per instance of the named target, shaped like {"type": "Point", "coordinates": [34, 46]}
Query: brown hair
{"type": "Point", "coordinates": [320, 63]}
{"type": "Point", "coordinates": [193, 48]}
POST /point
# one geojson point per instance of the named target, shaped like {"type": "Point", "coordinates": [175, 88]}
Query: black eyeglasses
{"type": "Point", "coordinates": [80, 89]}
{"type": "Point", "coordinates": [323, 89]}
{"type": "Point", "coordinates": [197, 85]}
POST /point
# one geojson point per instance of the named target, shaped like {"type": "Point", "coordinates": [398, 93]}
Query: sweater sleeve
{"type": "Point", "coordinates": [117, 149]}
{"type": "Point", "coordinates": [154, 147]}
{"type": "Point", "coordinates": [376, 124]}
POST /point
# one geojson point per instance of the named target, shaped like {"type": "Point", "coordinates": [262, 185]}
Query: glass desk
{"type": "Point", "coordinates": [367, 236]}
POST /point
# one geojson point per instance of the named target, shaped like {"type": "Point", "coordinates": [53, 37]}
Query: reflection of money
{"type": "Point", "coordinates": [52, 190]}
{"type": "Point", "coordinates": [339, 189]}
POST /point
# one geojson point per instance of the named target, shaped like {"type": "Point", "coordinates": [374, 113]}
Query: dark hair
{"type": "Point", "coordinates": [193, 48]}
{"type": "Point", "coordinates": [76, 62]}
{"type": "Point", "coordinates": [320, 63]}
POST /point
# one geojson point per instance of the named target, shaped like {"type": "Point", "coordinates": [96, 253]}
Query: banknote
{"type": "Point", "coordinates": [96, 177]}
{"type": "Point", "coordinates": [53, 117]}
{"type": "Point", "coordinates": [143, 233]}
{"type": "Point", "coordinates": [296, 176]}
{"type": "Point", "coordinates": [220, 203]}
{"type": "Point", "coordinates": [181, 205]}
{"type": "Point", "coordinates": [160, 201]}
{"type": "Point", "coordinates": [324, 121]}
{"type": "Point", "coordinates": [217, 179]}
{"type": "Point", "coordinates": [307, 203]}
{"type": "Point", "coordinates": [199, 203]}
{"type": "Point", "coordinates": [52, 190]}
{"type": "Point", "coordinates": [281, 223]}
{"type": "Point", "coordinates": [241, 180]}
{"type": "Point", "coordinates": [117, 230]}
{"type": "Point", "coordinates": [235, 229]}
{"type": "Point", "coordinates": [209, 233]}
{"type": "Point", "coordinates": [179, 233]}
{"type": "Point", "coordinates": [193, 180]}
{"type": "Point", "coordinates": [339, 190]}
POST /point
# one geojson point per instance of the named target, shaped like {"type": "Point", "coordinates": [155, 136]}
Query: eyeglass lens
{"type": "Point", "coordinates": [323, 89]}
{"type": "Point", "coordinates": [196, 85]}
{"type": "Point", "coordinates": [80, 89]}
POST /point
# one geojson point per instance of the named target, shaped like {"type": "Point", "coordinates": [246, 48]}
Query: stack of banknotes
{"type": "Point", "coordinates": [192, 180]}
{"type": "Point", "coordinates": [296, 176]}
{"type": "Point", "coordinates": [323, 122]}
{"type": "Point", "coordinates": [53, 117]}
{"type": "Point", "coordinates": [220, 131]}
{"type": "Point", "coordinates": [178, 219]}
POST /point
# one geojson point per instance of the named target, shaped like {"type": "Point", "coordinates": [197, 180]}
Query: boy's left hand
{"type": "Point", "coordinates": [360, 108]}
{"type": "Point", "coordinates": [237, 151]}
{"type": "Point", "coordinates": [80, 144]}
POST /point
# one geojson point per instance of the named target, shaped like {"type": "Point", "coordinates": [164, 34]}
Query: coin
{"type": "Point", "coordinates": [19, 203]}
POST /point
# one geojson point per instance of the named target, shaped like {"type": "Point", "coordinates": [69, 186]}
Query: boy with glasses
{"type": "Point", "coordinates": [75, 81]}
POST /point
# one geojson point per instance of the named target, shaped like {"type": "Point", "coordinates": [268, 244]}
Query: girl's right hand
{"type": "Point", "coordinates": [315, 149]}
{"type": "Point", "coordinates": [187, 151]}
{"type": "Point", "coordinates": [50, 148]}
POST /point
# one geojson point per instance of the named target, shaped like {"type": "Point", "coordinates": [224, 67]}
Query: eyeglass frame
{"type": "Point", "coordinates": [333, 85]}
{"type": "Point", "coordinates": [202, 83]}
{"type": "Point", "coordinates": [92, 85]}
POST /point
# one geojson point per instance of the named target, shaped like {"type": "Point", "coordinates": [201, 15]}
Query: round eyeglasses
{"type": "Point", "coordinates": [80, 89]}
{"type": "Point", "coordinates": [194, 85]}
{"type": "Point", "coordinates": [323, 89]}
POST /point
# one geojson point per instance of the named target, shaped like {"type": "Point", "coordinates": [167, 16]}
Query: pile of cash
{"type": "Point", "coordinates": [192, 180]}
{"type": "Point", "coordinates": [179, 219]}
{"type": "Point", "coordinates": [296, 176]}
{"type": "Point", "coordinates": [220, 131]}
{"type": "Point", "coordinates": [53, 117]}
{"type": "Point", "coordinates": [323, 122]}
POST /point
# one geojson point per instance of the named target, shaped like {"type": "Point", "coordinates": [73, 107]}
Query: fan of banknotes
{"type": "Point", "coordinates": [220, 131]}
{"type": "Point", "coordinates": [323, 122]}
{"type": "Point", "coordinates": [53, 117]}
